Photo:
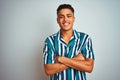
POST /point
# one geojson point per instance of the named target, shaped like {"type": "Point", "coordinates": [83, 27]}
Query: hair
{"type": "Point", "coordinates": [65, 6]}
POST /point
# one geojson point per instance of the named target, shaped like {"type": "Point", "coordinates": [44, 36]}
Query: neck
{"type": "Point", "coordinates": [66, 35]}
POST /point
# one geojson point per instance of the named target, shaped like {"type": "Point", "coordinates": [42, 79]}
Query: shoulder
{"type": "Point", "coordinates": [81, 34]}
{"type": "Point", "coordinates": [51, 38]}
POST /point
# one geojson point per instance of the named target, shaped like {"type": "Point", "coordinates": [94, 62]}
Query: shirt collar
{"type": "Point", "coordinates": [75, 35]}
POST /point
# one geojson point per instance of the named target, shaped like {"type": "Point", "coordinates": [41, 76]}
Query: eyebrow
{"type": "Point", "coordinates": [63, 14]}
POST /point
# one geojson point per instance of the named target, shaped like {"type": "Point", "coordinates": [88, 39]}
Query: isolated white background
{"type": "Point", "coordinates": [24, 25]}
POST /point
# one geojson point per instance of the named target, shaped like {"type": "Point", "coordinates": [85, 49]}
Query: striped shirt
{"type": "Point", "coordinates": [56, 46]}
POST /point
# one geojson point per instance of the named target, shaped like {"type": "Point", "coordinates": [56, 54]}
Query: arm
{"type": "Point", "coordinates": [51, 69]}
{"type": "Point", "coordinates": [58, 67]}
{"type": "Point", "coordinates": [51, 65]}
{"type": "Point", "coordinates": [78, 63]}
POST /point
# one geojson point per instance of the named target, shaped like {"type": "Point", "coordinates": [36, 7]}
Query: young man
{"type": "Point", "coordinates": [68, 54]}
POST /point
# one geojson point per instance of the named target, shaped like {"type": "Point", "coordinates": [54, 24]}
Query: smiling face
{"type": "Point", "coordinates": [65, 19]}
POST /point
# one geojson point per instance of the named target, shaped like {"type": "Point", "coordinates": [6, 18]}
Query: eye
{"type": "Point", "coordinates": [69, 16]}
{"type": "Point", "coordinates": [60, 16]}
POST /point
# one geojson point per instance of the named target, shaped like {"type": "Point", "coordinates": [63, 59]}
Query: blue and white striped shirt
{"type": "Point", "coordinates": [56, 46]}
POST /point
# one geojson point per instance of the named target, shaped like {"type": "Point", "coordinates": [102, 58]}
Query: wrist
{"type": "Point", "coordinates": [59, 59]}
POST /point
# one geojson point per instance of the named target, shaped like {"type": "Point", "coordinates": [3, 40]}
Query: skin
{"type": "Point", "coordinates": [65, 19]}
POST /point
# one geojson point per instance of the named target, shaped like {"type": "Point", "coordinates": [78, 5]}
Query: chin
{"type": "Point", "coordinates": [66, 29]}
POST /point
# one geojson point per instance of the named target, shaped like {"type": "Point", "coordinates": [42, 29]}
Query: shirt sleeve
{"type": "Point", "coordinates": [48, 52]}
{"type": "Point", "coordinates": [87, 49]}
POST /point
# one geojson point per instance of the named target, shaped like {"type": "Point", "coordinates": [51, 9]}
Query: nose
{"type": "Point", "coordinates": [65, 18]}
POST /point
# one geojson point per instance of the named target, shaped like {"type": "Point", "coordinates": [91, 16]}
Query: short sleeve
{"type": "Point", "coordinates": [48, 52]}
{"type": "Point", "coordinates": [87, 49]}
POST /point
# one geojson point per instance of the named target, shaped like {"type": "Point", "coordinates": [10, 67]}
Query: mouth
{"type": "Point", "coordinates": [66, 23]}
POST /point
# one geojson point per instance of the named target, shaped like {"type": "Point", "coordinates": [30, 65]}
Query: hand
{"type": "Point", "coordinates": [57, 59]}
{"type": "Point", "coordinates": [79, 57]}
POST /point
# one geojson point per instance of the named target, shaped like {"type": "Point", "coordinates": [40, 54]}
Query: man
{"type": "Point", "coordinates": [68, 54]}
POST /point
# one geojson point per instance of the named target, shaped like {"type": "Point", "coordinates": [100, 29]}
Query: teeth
{"type": "Point", "coordinates": [66, 24]}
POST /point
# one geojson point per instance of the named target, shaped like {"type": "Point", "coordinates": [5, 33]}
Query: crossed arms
{"type": "Point", "coordinates": [78, 62]}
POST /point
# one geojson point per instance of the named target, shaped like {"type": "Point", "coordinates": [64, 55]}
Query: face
{"type": "Point", "coordinates": [65, 19]}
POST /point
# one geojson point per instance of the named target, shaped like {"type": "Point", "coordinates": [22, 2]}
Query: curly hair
{"type": "Point", "coordinates": [65, 6]}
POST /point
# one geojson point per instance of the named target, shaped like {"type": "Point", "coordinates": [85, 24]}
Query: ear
{"type": "Point", "coordinates": [74, 18]}
{"type": "Point", "coordinates": [57, 20]}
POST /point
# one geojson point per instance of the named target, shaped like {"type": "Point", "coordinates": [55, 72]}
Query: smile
{"type": "Point", "coordinates": [66, 24]}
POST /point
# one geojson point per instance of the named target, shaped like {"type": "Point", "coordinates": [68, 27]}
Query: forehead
{"type": "Point", "coordinates": [65, 11]}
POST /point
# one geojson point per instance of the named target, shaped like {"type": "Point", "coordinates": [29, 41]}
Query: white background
{"type": "Point", "coordinates": [24, 25]}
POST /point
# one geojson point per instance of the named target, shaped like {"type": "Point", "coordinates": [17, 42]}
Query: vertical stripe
{"type": "Point", "coordinates": [63, 51]}
{"type": "Point", "coordinates": [61, 47]}
{"type": "Point", "coordinates": [79, 75]}
{"type": "Point", "coordinates": [69, 74]}
{"type": "Point", "coordinates": [55, 45]}
{"type": "Point", "coordinates": [78, 46]}
{"type": "Point", "coordinates": [62, 76]}
{"type": "Point", "coordinates": [72, 73]}
{"type": "Point", "coordinates": [59, 50]}
{"type": "Point", "coordinates": [65, 75]}
{"type": "Point", "coordinates": [84, 77]}
{"type": "Point", "coordinates": [76, 75]}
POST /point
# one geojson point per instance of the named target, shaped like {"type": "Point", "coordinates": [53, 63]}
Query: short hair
{"type": "Point", "coordinates": [65, 6]}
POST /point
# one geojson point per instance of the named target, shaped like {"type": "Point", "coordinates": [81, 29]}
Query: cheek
{"type": "Point", "coordinates": [72, 21]}
{"type": "Point", "coordinates": [60, 21]}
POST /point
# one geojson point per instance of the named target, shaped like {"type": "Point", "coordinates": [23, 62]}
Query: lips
{"type": "Point", "coordinates": [66, 24]}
